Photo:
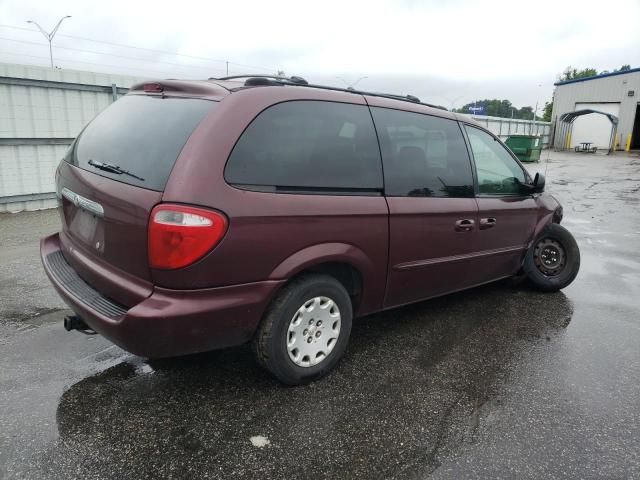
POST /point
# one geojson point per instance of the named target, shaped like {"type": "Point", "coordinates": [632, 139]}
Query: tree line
{"type": "Point", "coordinates": [498, 108]}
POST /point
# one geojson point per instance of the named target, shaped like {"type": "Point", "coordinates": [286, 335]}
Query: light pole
{"type": "Point", "coordinates": [351, 86]}
{"type": "Point", "coordinates": [452, 103]}
{"type": "Point", "coordinates": [49, 36]}
{"type": "Point", "coordinates": [535, 114]}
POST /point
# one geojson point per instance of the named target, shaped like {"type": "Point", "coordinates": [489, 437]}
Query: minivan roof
{"type": "Point", "coordinates": [217, 89]}
{"type": "Point", "coordinates": [182, 88]}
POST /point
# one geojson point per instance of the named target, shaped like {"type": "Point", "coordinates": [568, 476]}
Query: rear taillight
{"type": "Point", "coordinates": [153, 88]}
{"type": "Point", "coordinates": [178, 235]}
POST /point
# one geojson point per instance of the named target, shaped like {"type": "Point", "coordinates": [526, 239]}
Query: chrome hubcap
{"type": "Point", "coordinates": [549, 257]}
{"type": "Point", "coordinates": [313, 331]}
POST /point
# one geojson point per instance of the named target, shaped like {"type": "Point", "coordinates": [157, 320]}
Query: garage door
{"type": "Point", "coordinates": [594, 128]}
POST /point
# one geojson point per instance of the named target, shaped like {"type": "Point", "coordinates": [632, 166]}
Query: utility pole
{"type": "Point", "coordinates": [227, 62]}
{"type": "Point", "coordinates": [49, 35]}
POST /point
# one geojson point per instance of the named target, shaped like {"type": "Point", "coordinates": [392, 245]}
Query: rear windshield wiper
{"type": "Point", "coordinates": [108, 167]}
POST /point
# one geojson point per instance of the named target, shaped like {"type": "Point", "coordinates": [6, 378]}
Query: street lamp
{"type": "Point", "coordinates": [350, 86]}
{"type": "Point", "coordinates": [535, 114]}
{"type": "Point", "coordinates": [452, 103]}
{"type": "Point", "coordinates": [358, 81]}
{"type": "Point", "coordinates": [49, 36]}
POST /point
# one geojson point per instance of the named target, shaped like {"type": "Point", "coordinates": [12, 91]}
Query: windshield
{"type": "Point", "coordinates": [137, 139]}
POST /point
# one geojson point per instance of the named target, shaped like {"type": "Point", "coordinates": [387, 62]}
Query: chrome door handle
{"type": "Point", "coordinates": [465, 225]}
{"type": "Point", "coordinates": [487, 223]}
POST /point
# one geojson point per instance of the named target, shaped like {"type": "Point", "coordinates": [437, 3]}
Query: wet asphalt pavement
{"type": "Point", "coordinates": [496, 382]}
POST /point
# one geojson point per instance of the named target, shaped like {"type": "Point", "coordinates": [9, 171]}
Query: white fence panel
{"type": "Point", "coordinates": [504, 127]}
{"type": "Point", "coordinates": [41, 112]}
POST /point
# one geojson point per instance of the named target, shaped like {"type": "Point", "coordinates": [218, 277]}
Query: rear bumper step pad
{"type": "Point", "coordinates": [67, 277]}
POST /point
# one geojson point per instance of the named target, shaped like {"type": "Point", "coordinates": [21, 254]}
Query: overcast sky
{"type": "Point", "coordinates": [445, 52]}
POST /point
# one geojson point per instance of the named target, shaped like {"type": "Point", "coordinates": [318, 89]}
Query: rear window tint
{"type": "Point", "coordinates": [139, 134]}
{"type": "Point", "coordinates": [423, 155]}
{"type": "Point", "coordinates": [308, 146]}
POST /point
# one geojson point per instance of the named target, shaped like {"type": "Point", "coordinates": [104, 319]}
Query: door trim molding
{"type": "Point", "coordinates": [458, 258]}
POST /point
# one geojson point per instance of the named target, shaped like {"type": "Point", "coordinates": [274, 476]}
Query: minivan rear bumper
{"type": "Point", "coordinates": [168, 322]}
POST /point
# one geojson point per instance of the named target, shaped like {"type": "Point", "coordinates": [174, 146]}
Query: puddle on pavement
{"type": "Point", "coordinates": [426, 375]}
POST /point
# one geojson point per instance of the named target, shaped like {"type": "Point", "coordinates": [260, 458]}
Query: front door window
{"type": "Point", "coordinates": [498, 173]}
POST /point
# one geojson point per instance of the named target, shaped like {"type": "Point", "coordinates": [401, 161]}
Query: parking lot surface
{"type": "Point", "coordinates": [497, 382]}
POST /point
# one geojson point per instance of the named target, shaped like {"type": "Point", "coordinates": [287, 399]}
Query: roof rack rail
{"type": "Point", "coordinates": [410, 98]}
{"type": "Point", "coordinates": [258, 80]}
{"type": "Point", "coordinates": [405, 98]}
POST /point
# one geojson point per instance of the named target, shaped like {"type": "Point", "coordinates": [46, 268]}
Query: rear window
{"type": "Point", "coordinates": [140, 135]}
{"type": "Point", "coordinates": [308, 146]}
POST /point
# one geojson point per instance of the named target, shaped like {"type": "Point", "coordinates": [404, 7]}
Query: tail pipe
{"type": "Point", "coordinates": [74, 322]}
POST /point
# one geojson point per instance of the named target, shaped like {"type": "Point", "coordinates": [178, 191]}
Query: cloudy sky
{"type": "Point", "coordinates": [446, 52]}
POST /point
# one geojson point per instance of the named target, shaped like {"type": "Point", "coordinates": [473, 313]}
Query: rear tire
{"type": "Point", "coordinates": [305, 330]}
{"type": "Point", "coordinates": [553, 261]}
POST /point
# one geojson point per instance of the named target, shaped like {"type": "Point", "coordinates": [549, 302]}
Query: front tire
{"type": "Point", "coordinates": [553, 261]}
{"type": "Point", "coordinates": [305, 330]}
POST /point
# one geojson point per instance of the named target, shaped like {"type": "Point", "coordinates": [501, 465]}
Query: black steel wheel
{"type": "Point", "coordinates": [549, 256]}
{"type": "Point", "coordinates": [553, 261]}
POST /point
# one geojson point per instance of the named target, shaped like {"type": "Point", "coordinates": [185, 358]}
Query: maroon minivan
{"type": "Point", "coordinates": [204, 214]}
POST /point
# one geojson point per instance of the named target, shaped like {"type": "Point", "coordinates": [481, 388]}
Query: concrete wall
{"type": "Point", "coordinates": [41, 111]}
{"type": "Point", "coordinates": [608, 89]}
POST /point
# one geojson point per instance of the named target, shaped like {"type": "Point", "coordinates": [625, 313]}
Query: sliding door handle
{"type": "Point", "coordinates": [465, 225]}
{"type": "Point", "coordinates": [487, 223]}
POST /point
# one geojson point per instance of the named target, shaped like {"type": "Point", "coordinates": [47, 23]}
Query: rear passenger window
{"type": "Point", "coordinates": [308, 146]}
{"type": "Point", "coordinates": [423, 155]}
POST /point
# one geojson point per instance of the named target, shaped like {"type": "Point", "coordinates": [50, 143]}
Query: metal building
{"type": "Point", "coordinates": [41, 112]}
{"type": "Point", "coordinates": [616, 94]}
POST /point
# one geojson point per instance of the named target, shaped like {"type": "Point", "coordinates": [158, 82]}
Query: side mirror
{"type": "Point", "coordinates": [538, 183]}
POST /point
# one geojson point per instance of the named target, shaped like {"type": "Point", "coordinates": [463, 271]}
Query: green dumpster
{"type": "Point", "coordinates": [526, 147]}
